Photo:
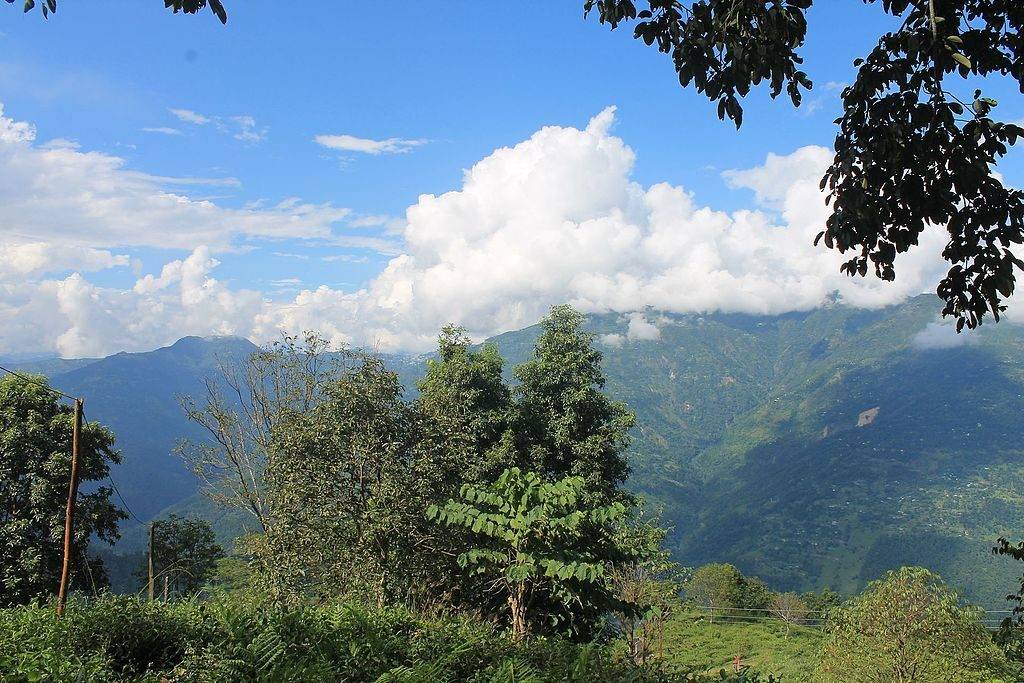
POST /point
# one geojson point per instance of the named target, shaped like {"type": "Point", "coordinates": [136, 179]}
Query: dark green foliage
{"type": "Point", "coordinates": [722, 590]}
{"type": "Point", "coordinates": [464, 408]}
{"type": "Point", "coordinates": [722, 48]}
{"type": "Point", "coordinates": [343, 481]}
{"type": "Point", "coordinates": [535, 543]}
{"type": "Point", "coordinates": [102, 640]}
{"type": "Point", "coordinates": [820, 603]}
{"type": "Point", "coordinates": [911, 151]}
{"type": "Point", "coordinates": [565, 424]}
{"type": "Point", "coordinates": [122, 639]}
{"type": "Point", "coordinates": [1010, 629]}
{"type": "Point", "coordinates": [35, 468]}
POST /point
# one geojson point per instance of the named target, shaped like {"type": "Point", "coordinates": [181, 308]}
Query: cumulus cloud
{"type": "Point", "coordinates": [351, 143]}
{"type": "Point", "coordinates": [556, 218]}
{"type": "Point", "coordinates": [75, 318]}
{"type": "Point", "coordinates": [30, 258]}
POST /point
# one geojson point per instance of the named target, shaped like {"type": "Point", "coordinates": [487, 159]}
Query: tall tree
{"type": "Point", "coordinates": [565, 425]}
{"type": "Point", "coordinates": [914, 147]}
{"type": "Point", "coordinates": [464, 406]}
{"type": "Point", "coordinates": [35, 465]}
{"type": "Point", "coordinates": [343, 484]}
{"type": "Point", "coordinates": [715, 588]}
{"type": "Point", "coordinates": [243, 407]}
{"type": "Point", "coordinates": [185, 555]}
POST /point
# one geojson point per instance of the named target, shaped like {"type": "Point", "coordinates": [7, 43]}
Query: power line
{"type": "Point", "coordinates": [123, 502]}
{"type": "Point", "coordinates": [31, 380]}
{"type": "Point", "coordinates": [117, 491]}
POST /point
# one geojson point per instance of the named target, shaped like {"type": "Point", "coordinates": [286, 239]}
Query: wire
{"type": "Point", "coordinates": [123, 502]}
{"type": "Point", "coordinates": [110, 479]}
{"type": "Point", "coordinates": [31, 380]}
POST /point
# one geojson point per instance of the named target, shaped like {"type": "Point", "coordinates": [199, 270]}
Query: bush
{"type": "Point", "coordinates": [238, 639]}
{"type": "Point", "coordinates": [910, 626]}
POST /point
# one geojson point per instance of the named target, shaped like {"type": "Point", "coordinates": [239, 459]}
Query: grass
{"type": "Point", "coordinates": [691, 641]}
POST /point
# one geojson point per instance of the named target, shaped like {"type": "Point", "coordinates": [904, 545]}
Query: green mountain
{"type": "Point", "coordinates": [812, 449]}
{"type": "Point", "coordinates": [822, 448]}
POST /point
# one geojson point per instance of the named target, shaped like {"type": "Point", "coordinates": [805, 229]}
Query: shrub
{"type": "Point", "coordinates": [239, 639]}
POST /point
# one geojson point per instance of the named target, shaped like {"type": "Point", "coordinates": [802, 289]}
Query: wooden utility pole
{"type": "Point", "coordinates": [69, 514]}
{"type": "Point", "coordinates": [152, 533]}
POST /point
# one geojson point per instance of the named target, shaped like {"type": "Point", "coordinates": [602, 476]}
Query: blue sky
{"type": "Point", "coordinates": [448, 83]}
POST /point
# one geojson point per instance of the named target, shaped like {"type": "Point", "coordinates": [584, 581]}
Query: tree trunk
{"type": "Point", "coordinates": [517, 607]}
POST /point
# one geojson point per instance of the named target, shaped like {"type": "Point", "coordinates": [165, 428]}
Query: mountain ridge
{"type": "Point", "coordinates": [815, 448]}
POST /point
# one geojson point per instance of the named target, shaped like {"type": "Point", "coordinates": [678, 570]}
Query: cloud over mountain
{"type": "Point", "coordinates": [556, 218]}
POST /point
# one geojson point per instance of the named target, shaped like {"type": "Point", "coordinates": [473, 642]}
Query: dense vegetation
{"type": "Point", "coordinates": [758, 409]}
{"type": "Point", "coordinates": [479, 530]}
{"type": "Point", "coordinates": [501, 504]}
{"type": "Point", "coordinates": [123, 639]}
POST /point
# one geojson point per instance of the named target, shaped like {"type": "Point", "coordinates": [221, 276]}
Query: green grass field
{"type": "Point", "coordinates": [691, 641]}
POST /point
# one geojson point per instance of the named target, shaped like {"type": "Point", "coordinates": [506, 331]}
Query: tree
{"type": "Point", "coordinates": [344, 486]}
{"type": "Point", "coordinates": [35, 465]}
{"type": "Point", "coordinates": [464, 407]}
{"type": "Point", "coordinates": [243, 407]}
{"type": "Point", "coordinates": [790, 608]}
{"type": "Point", "coordinates": [907, 627]}
{"type": "Point", "coordinates": [565, 425]}
{"type": "Point", "coordinates": [649, 583]}
{"type": "Point", "coordinates": [536, 538]}
{"type": "Point", "coordinates": [820, 604]}
{"type": "Point", "coordinates": [756, 598]}
{"type": "Point", "coordinates": [715, 587]}
{"type": "Point", "coordinates": [1009, 632]}
{"type": "Point", "coordinates": [913, 148]}
{"type": "Point", "coordinates": [185, 555]}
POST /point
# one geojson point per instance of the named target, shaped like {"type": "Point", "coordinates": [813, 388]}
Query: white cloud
{"type": "Point", "coordinates": [556, 218]}
{"type": "Point", "coordinates": [189, 116]}
{"type": "Point", "coordinates": [57, 193]}
{"type": "Point", "coordinates": [940, 335]}
{"type": "Point", "coordinates": [344, 258]}
{"type": "Point", "coordinates": [615, 341]}
{"type": "Point", "coordinates": [247, 130]}
{"type": "Point", "coordinates": [31, 258]}
{"type": "Point", "coordinates": [163, 130]}
{"type": "Point", "coordinates": [640, 329]}
{"type": "Point", "coordinates": [242, 127]}
{"type": "Point", "coordinates": [372, 221]}
{"type": "Point", "coordinates": [350, 143]}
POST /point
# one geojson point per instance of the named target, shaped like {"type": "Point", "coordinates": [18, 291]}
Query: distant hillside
{"type": "Point", "coordinates": [822, 448]}
{"type": "Point", "coordinates": [814, 449]}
